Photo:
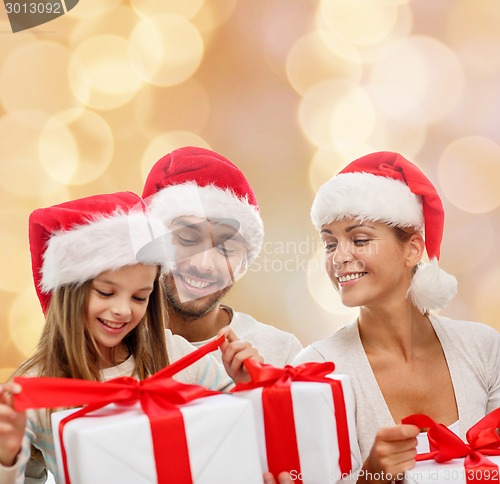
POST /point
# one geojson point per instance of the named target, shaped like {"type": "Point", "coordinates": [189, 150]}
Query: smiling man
{"type": "Point", "coordinates": [216, 232]}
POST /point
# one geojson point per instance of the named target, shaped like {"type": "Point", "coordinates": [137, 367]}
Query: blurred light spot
{"type": "Point", "coordinates": [28, 83]}
{"type": "Point", "coordinates": [308, 321]}
{"type": "Point", "coordinates": [278, 37]}
{"type": "Point", "coordinates": [469, 174]}
{"type": "Point", "coordinates": [479, 109]}
{"type": "Point", "coordinates": [12, 42]}
{"type": "Point", "coordinates": [472, 31]}
{"type": "Point", "coordinates": [339, 47]}
{"type": "Point", "coordinates": [310, 60]}
{"type": "Point", "coordinates": [366, 54]}
{"type": "Point", "coordinates": [6, 374]}
{"type": "Point", "coordinates": [316, 109]}
{"type": "Point", "coordinates": [26, 321]}
{"type": "Point", "coordinates": [432, 75]}
{"type": "Point", "coordinates": [321, 288]}
{"type": "Point", "coordinates": [213, 15]}
{"type": "Point", "coordinates": [468, 241]}
{"type": "Point", "coordinates": [76, 152]}
{"type": "Point", "coordinates": [92, 8]}
{"type": "Point", "coordinates": [58, 196]}
{"type": "Point", "coordinates": [359, 21]}
{"type": "Point", "coordinates": [485, 297]}
{"type": "Point", "coordinates": [400, 122]}
{"type": "Point", "coordinates": [108, 74]}
{"type": "Point", "coordinates": [165, 50]}
{"type": "Point", "coordinates": [186, 9]}
{"type": "Point", "coordinates": [480, 55]}
{"type": "Point", "coordinates": [166, 143]}
{"type": "Point", "coordinates": [353, 120]}
{"type": "Point", "coordinates": [120, 22]}
{"type": "Point", "coordinates": [400, 3]}
{"type": "Point", "coordinates": [325, 165]}
{"type": "Point", "coordinates": [58, 151]}
{"type": "Point", "coordinates": [186, 106]}
{"type": "Point", "coordinates": [14, 252]}
{"type": "Point", "coordinates": [336, 114]}
{"type": "Point", "coordinates": [22, 172]}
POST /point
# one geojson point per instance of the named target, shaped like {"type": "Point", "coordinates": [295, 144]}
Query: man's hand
{"type": "Point", "coordinates": [234, 352]}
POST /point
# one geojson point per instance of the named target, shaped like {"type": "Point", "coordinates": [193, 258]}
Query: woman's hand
{"type": "Point", "coordinates": [392, 453]}
{"type": "Point", "coordinates": [234, 352]}
{"type": "Point", "coordinates": [12, 425]}
{"type": "Point", "coordinates": [283, 478]}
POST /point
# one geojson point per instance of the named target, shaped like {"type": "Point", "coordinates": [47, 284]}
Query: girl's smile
{"type": "Point", "coordinates": [117, 303]}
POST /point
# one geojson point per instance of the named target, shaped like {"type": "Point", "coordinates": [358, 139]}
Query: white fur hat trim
{"type": "Point", "coordinates": [189, 199]}
{"type": "Point", "coordinates": [104, 244]}
{"type": "Point", "coordinates": [367, 197]}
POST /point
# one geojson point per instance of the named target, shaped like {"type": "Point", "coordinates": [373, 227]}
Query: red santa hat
{"type": "Point", "coordinates": [75, 241]}
{"type": "Point", "coordinates": [386, 187]}
{"type": "Point", "coordinates": [199, 182]}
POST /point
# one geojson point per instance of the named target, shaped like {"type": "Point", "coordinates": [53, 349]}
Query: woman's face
{"type": "Point", "coordinates": [117, 303]}
{"type": "Point", "coordinates": [365, 261]}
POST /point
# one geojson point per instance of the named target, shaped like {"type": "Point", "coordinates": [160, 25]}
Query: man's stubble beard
{"type": "Point", "coordinates": [196, 308]}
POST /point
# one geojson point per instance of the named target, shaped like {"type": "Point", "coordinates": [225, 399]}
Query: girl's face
{"type": "Point", "coordinates": [365, 261]}
{"type": "Point", "coordinates": [117, 303]}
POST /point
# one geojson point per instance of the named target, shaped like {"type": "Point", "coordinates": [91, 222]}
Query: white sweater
{"type": "Point", "coordinates": [472, 351]}
{"type": "Point", "coordinates": [277, 347]}
{"type": "Point", "coordinates": [206, 372]}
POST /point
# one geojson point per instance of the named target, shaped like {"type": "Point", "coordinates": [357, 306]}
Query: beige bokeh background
{"type": "Point", "coordinates": [289, 90]}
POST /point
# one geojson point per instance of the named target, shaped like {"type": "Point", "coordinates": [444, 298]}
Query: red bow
{"type": "Point", "coordinates": [159, 396]}
{"type": "Point", "coordinates": [482, 440]}
{"type": "Point", "coordinates": [281, 438]}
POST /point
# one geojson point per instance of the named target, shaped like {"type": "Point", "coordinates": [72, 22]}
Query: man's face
{"type": "Point", "coordinates": [208, 256]}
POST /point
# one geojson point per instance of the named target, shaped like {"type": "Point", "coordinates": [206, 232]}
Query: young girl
{"type": "Point", "coordinates": [376, 218]}
{"type": "Point", "coordinates": [96, 263]}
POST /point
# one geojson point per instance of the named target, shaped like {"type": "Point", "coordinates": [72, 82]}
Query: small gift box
{"type": "Point", "coordinates": [115, 444]}
{"type": "Point", "coordinates": [453, 461]}
{"type": "Point", "coordinates": [305, 421]}
{"type": "Point", "coordinates": [155, 430]}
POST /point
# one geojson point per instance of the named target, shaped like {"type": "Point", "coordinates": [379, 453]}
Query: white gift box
{"type": "Point", "coordinates": [316, 429]}
{"type": "Point", "coordinates": [115, 445]}
{"type": "Point", "coordinates": [452, 472]}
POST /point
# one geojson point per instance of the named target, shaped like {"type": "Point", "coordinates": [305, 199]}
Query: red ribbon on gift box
{"type": "Point", "coordinates": [482, 440]}
{"type": "Point", "coordinates": [279, 424]}
{"type": "Point", "coordinates": [159, 396]}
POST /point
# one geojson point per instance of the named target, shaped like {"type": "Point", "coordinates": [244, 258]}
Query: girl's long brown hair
{"type": "Point", "coordinates": [67, 350]}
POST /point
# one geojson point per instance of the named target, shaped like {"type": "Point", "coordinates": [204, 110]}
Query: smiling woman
{"type": "Point", "coordinates": [369, 251]}
{"type": "Point", "coordinates": [377, 219]}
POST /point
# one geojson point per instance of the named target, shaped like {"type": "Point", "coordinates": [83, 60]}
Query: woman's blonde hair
{"type": "Point", "coordinates": [67, 350]}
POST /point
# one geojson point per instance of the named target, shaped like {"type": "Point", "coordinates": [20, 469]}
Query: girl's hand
{"type": "Point", "coordinates": [234, 352]}
{"type": "Point", "coordinates": [283, 478]}
{"type": "Point", "coordinates": [12, 425]}
{"type": "Point", "coordinates": [392, 453]}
